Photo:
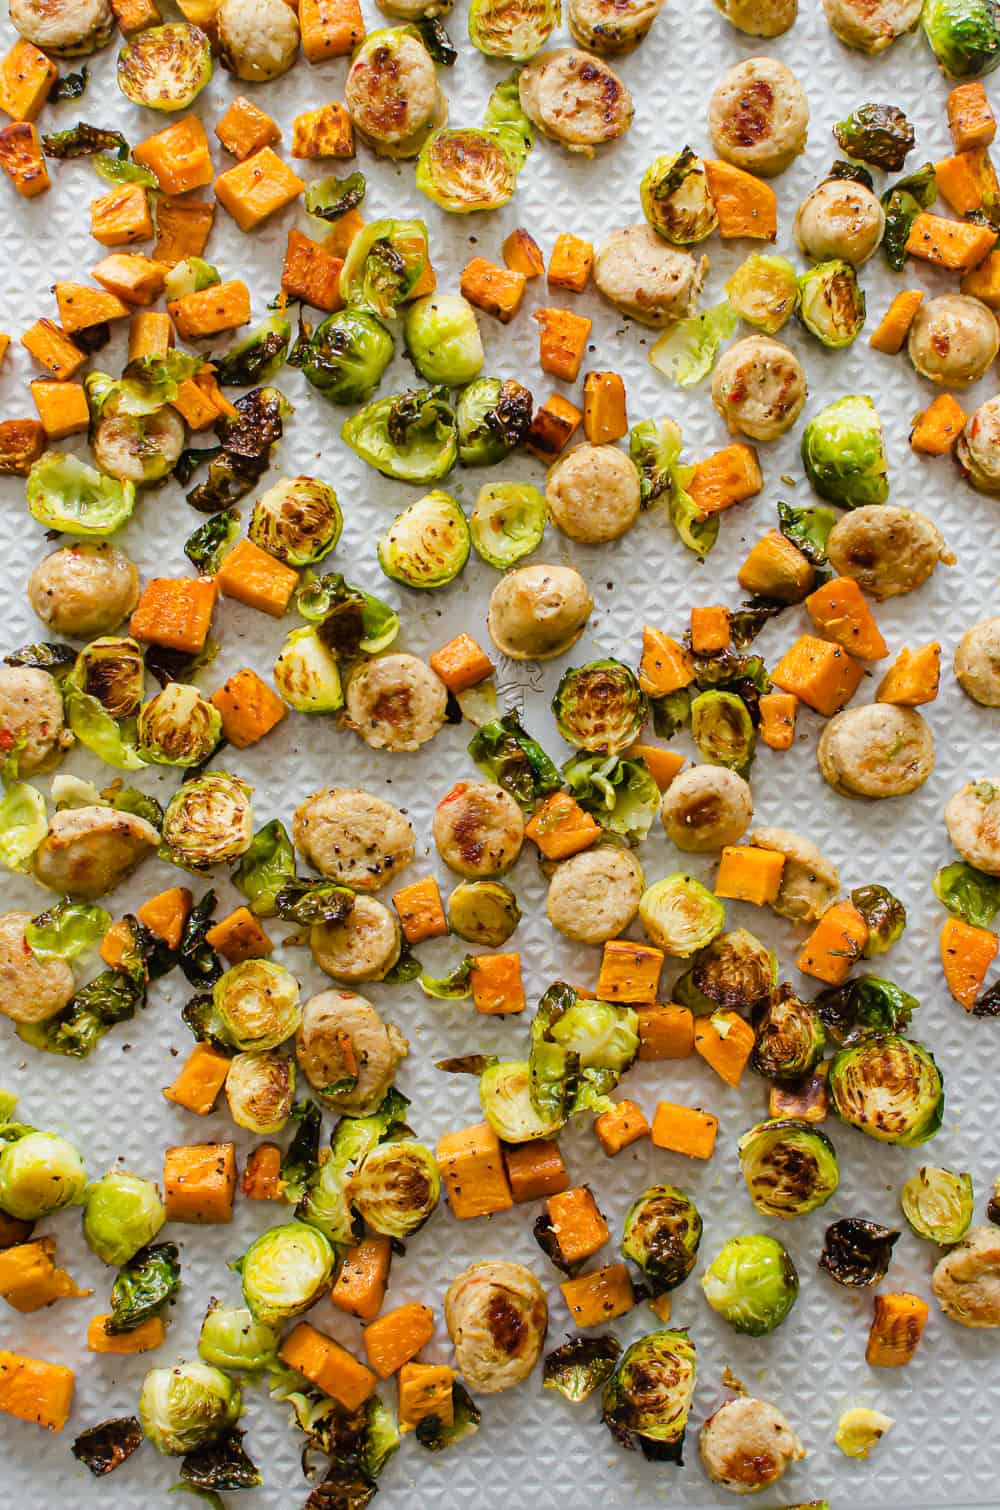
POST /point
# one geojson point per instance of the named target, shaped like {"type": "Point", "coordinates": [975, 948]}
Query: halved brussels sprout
{"type": "Point", "coordinates": [178, 726]}
{"type": "Point", "coordinates": [620, 794]}
{"type": "Point", "coordinates": [649, 1395]}
{"type": "Point", "coordinates": [600, 706]}
{"type": "Point", "coordinates": [208, 821]}
{"type": "Point", "coordinates": [353, 621]}
{"type": "Point", "coordinates": [857, 1252]}
{"type": "Point", "coordinates": [111, 671]}
{"type": "Point", "coordinates": [581, 1366]}
{"type": "Point", "coordinates": [507, 523]}
{"type": "Point", "coordinates": [723, 730]}
{"type": "Point", "coordinates": [602, 1035]}
{"type": "Point", "coordinates": [298, 520]}
{"type": "Point", "coordinates": [285, 1271]}
{"type": "Point", "coordinates": [189, 276]}
{"type": "Point", "coordinates": [736, 972]}
{"type": "Point", "coordinates": [764, 291]}
{"type": "Point", "coordinates": [260, 1089]}
{"type": "Point", "coordinates": [889, 1087]}
{"type": "Point", "coordinates": [790, 1167]}
{"type": "Point", "coordinates": [876, 134]}
{"type": "Point", "coordinates": [661, 1236]}
{"type": "Point", "coordinates": [467, 169]}
{"type": "Point", "coordinates": [483, 912]}
{"type": "Point", "coordinates": [494, 417]}
{"type": "Point", "coordinates": [331, 198]}
{"type": "Point", "coordinates": [258, 357]}
{"type": "Point", "coordinates": [40, 1173]}
{"type": "Point", "coordinates": [938, 1204]}
{"type": "Point", "coordinates": [860, 1429]}
{"type": "Point", "coordinates": [232, 1339]}
{"type": "Point", "coordinates": [831, 303]}
{"type": "Point", "coordinates": [443, 340]}
{"type": "Point", "coordinates": [64, 494]}
{"type": "Point", "coordinates": [347, 355]}
{"type": "Point", "coordinates": [790, 1038]}
{"type": "Point", "coordinates": [514, 29]}
{"type": "Point", "coordinates": [307, 675]}
{"type": "Point", "coordinates": [427, 545]}
{"type": "Point", "coordinates": [964, 35]}
{"type": "Point", "coordinates": [866, 1002]}
{"type": "Point", "coordinates": [165, 67]}
{"type": "Point", "coordinates": [884, 914]}
{"type": "Point", "coordinates": [752, 1283]}
{"type": "Point", "coordinates": [121, 1214]}
{"type": "Point", "coordinates": [505, 1096]}
{"type": "Point", "coordinates": [843, 452]}
{"type": "Point", "coordinates": [681, 915]}
{"type": "Point", "coordinates": [676, 199]}
{"type": "Point", "coordinates": [258, 1005]}
{"type": "Point", "coordinates": [411, 436]}
{"type": "Point", "coordinates": [185, 1406]}
{"type": "Point", "coordinates": [396, 1188]}
{"type": "Point", "coordinates": [138, 449]}
{"type": "Point", "coordinates": [383, 265]}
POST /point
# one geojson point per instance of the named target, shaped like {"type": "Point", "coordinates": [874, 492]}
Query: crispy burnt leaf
{"type": "Point", "coordinates": [221, 1464]}
{"type": "Point", "coordinates": [82, 140]}
{"type": "Point", "coordinates": [857, 1252]}
{"type": "Point", "coordinates": [197, 959]}
{"type": "Point", "coordinates": [106, 1446]}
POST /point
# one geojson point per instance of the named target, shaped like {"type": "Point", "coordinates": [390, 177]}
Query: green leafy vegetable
{"type": "Point", "coordinates": [206, 546]}
{"type": "Point", "coordinates": [266, 868]}
{"type": "Point", "coordinates": [968, 893]}
{"type": "Point", "coordinates": [902, 202]}
{"type": "Point", "coordinates": [23, 824]}
{"type": "Point", "coordinates": [330, 198]}
{"type": "Point", "coordinates": [82, 140]}
{"type": "Point", "coordinates": [507, 754]}
{"type": "Point", "coordinates": [686, 352]}
{"type": "Point", "coordinates": [455, 986]}
{"type": "Point", "coordinates": [67, 930]}
{"type": "Point", "coordinates": [144, 1285]}
{"type": "Point", "coordinates": [621, 794]}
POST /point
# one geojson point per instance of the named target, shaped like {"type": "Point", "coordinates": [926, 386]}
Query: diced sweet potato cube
{"type": "Point", "coordinates": [970, 116]}
{"type": "Point", "coordinates": [554, 424]}
{"type": "Point", "coordinates": [535, 1169]}
{"type": "Point", "coordinates": [835, 944]}
{"type": "Point", "coordinates": [326, 1364]}
{"type": "Point", "coordinates": [330, 28]}
{"type": "Point", "coordinates": [523, 255]}
{"type": "Point", "coordinates": [629, 972]}
{"type": "Point", "coordinates": [666, 1031]}
{"type": "Point", "coordinates": [326, 132]}
{"type": "Point", "coordinates": [710, 631]}
{"type": "Point", "coordinates": [21, 159]}
{"type": "Point", "coordinates": [749, 875]}
{"type": "Point", "coordinates": [81, 307]}
{"type": "Point", "coordinates": [496, 290]}
{"type": "Point", "coordinates": [725, 1042]}
{"type": "Point", "coordinates": [820, 674]}
{"type": "Point", "coordinates": [597, 1298]}
{"type": "Point", "coordinates": [62, 408]}
{"type": "Point", "coordinates": [135, 15]}
{"type": "Point", "coordinates": [570, 262]}
{"type": "Point", "coordinates": [121, 216]}
{"type": "Point", "coordinates": [425, 1389]}
{"type": "Point", "coordinates": [936, 430]}
{"type": "Point", "coordinates": [605, 417]}
{"type": "Point", "coordinates": [685, 1129]}
{"type": "Point", "coordinates": [245, 128]}
{"type": "Point", "coordinates": [35, 1391]}
{"type": "Point", "coordinates": [224, 306]}
{"type": "Point", "coordinates": [249, 708]}
{"type": "Point", "coordinates": [256, 578]}
{"type": "Point", "coordinates": [178, 155]}
{"type": "Point", "coordinates": [562, 341]}
{"type": "Point", "coordinates": [175, 612]}
{"type": "Point", "coordinates": [22, 442]}
{"type": "Point", "coordinates": [194, 405]}
{"type": "Point", "coordinates": [496, 984]}
{"type": "Point", "coordinates": [150, 334]}
{"type": "Point", "coordinates": [133, 277]}
{"type": "Point", "coordinates": [462, 663]}
{"type": "Point", "coordinates": [561, 828]}
{"type": "Point", "coordinates": [199, 1081]}
{"type": "Point", "coordinates": [663, 765]}
{"type": "Point", "coordinates": [778, 711]}
{"type": "Point", "coordinates": [623, 1124]}
{"type": "Point", "coordinates": [421, 912]}
{"type": "Point", "coordinates": [26, 77]}
{"type": "Point", "coordinates": [52, 349]}
{"type": "Point", "coordinates": [257, 188]}
{"type": "Point", "coordinates": [183, 227]}
{"type": "Point", "coordinates": [262, 1173]}
{"type": "Point", "coordinates": [199, 1183]}
{"type": "Point", "coordinates": [913, 678]}
{"type": "Point", "coordinates": [311, 273]}
{"type": "Point", "coordinates": [472, 1171]}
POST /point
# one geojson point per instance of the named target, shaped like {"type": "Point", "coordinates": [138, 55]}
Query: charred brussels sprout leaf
{"type": "Point", "coordinates": [885, 915]}
{"type": "Point", "coordinates": [790, 1038]}
{"type": "Point", "coordinates": [206, 1024]}
{"type": "Point", "coordinates": [411, 437]}
{"type": "Point", "coordinates": [671, 713]}
{"type": "Point", "coordinates": [221, 1464]}
{"type": "Point", "coordinates": [427, 545]}
{"type": "Point", "coordinates": [455, 986]}
{"type": "Point", "coordinates": [109, 998]}
{"type": "Point", "coordinates": [964, 35]}
{"type": "Point", "coordinates": [165, 67]}
{"type": "Point", "coordinates": [347, 355]}
{"type": "Point", "coordinates": [82, 140]}
{"type": "Point", "coordinates": [752, 1283]}
{"type": "Point", "coordinates": [436, 1435]}
{"type": "Point", "coordinates": [600, 707]}
{"type": "Point", "coordinates": [876, 134]}
{"type": "Point", "coordinates": [432, 33]}
{"type": "Point", "coordinates": [120, 170]}
{"type": "Point", "coordinates": [857, 1252]}
{"type": "Point", "coordinates": [889, 1087]}
{"type": "Point", "coordinates": [808, 529]}
{"type": "Point", "coordinates": [323, 598]}
{"type": "Point", "coordinates": [968, 893]}
{"type": "Point", "coordinates": [867, 1001]}
{"type": "Point", "coordinates": [746, 623]}
{"type": "Point", "coordinates": [267, 867]}
{"type": "Point", "coordinates": [723, 730]}
{"type": "Point", "coordinates": [853, 171]}
{"type": "Point", "coordinates": [198, 960]}
{"type": "Point", "coordinates": [127, 799]}
{"type": "Point", "coordinates": [686, 352]}
{"type": "Point", "coordinates": [44, 656]}
{"type": "Point", "coordinates": [681, 916]}
{"type": "Point", "coordinates": [493, 417]}
{"type": "Point", "coordinates": [467, 169]}
{"type": "Point", "coordinates": [143, 1287]}
{"type": "Point", "coordinates": [676, 199]}
{"type": "Point", "coordinates": [654, 448]}
{"type": "Point", "coordinates": [301, 1159]}
{"type": "Point", "coordinates": [191, 459]}
{"type": "Point", "coordinates": [620, 794]}
{"type": "Point", "coordinates": [105, 1447]}
{"type": "Point", "coordinates": [64, 494]}
{"type": "Point", "coordinates": [649, 1395]}
{"type": "Point", "coordinates": [993, 1206]}
{"type": "Point", "coordinates": [581, 1366]}
{"type": "Point", "coordinates": [902, 202]}
{"type": "Point", "coordinates": [70, 86]}
{"type": "Point", "coordinates": [257, 358]}
{"type": "Point", "coordinates": [507, 754]}
{"type": "Point", "coordinates": [309, 902]}
{"type": "Point", "coordinates": [843, 452]}
{"type": "Point", "coordinates": [345, 1487]}
{"type": "Point", "coordinates": [790, 1167]}
{"type": "Point", "coordinates": [661, 1236]}
{"type": "Point", "coordinates": [246, 443]}
{"type": "Point", "coordinates": [330, 198]}
{"type": "Point", "coordinates": [206, 546]}
{"type": "Point", "coordinates": [938, 1204]}
{"type": "Point", "coordinates": [383, 265]}
{"type": "Point", "coordinates": [831, 303]}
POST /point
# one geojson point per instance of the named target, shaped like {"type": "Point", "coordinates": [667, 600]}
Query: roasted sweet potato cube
{"type": "Point", "coordinates": [53, 349]}
{"type": "Point", "coordinates": [496, 290]}
{"type": "Point", "coordinates": [131, 276]}
{"type": "Point", "coordinates": [257, 188]}
{"type": "Point", "coordinates": [562, 340]}
{"type": "Point", "coordinates": [150, 334]}
{"type": "Point", "coordinates": [570, 263]}
{"type": "Point", "coordinates": [81, 307]}
{"type": "Point", "coordinates": [26, 77]}
{"type": "Point", "coordinates": [199, 1182]}
{"type": "Point", "coordinates": [245, 128]}
{"type": "Point", "coordinates": [21, 159]}
{"type": "Point", "coordinates": [183, 227]}
{"type": "Point", "coordinates": [326, 132]}
{"type": "Point", "coordinates": [121, 216]}
{"type": "Point", "coordinates": [135, 15]}
{"type": "Point", "coordinates": [311, 273]}
{"type": "Point", "coordinates": [178, 155]}
{"type": "Point", "coordinates": [554, 424]}
{"type": "Point", "coordinates": [22, 442]}
{"type": "Point", "coordinates": [224, 306]}
{"type": "Point", "coordinates": [330, 28]}
{"type": "Point", "coordinates": [522, 254]}
{"type": "Point", "coordinates": [62, 407]}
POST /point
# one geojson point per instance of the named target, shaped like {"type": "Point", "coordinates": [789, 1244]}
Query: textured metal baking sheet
{"type": "Point", "coordinates": [535, 1449]}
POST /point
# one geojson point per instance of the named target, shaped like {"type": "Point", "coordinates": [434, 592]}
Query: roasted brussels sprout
{"type": "Point", "coordinates": [260, 1087]}
{"type": "Point", "coordinates": [602, 1035]}
{"type": "Point", "coordinates": [285, 1271]}
{"type": "Point", "coordinates": [843, 452]}
{"type": "Point", "coordinates": [889, 1087]}
{"type": "Point", "coordinates": [831, 303]}
{"type": "Point", "coordinates": [723, 730]}
{"type": "Point", "coordinates": [298, 520]}
{"type": "Point", "coordinates": [347, 355]}
{"type": "Point", "coordinates": [307, 674]}
{"type": "Point", "coordinates": [178, 726]}
{"type": "Point", "coordinates": [681, 915]}
{"type": "Point", "coordinates": [111, 670]}
{"type": "Point", "coordinates": [258, 1005]}
{"type": "Point", "coordinates": [857, 1252]}
{"type": "Point", "coordinates": [599, 706]}
{"type": "Point", "coordinates": [427, 545]}
{"type": "Point", "coordinates": [676, 199]}
{"type": "Point", "coordinates": [764, 291]}
{"type": "Point", "coordinates": [258, 357]}
{"type": "Point", "coordinates": [506, 753]}
{"type": "Point", "coordinates": [752, 1283]}
{"type": "Point", "coordinates": [649, 1395]}
{"type": "Point", "coordinates": [494, 417]}
{"type": "Point", "coordinates": [331, 198]}
{"type": "Point", "coordinates": [901, 203]}
{"type": "Point", "coordinates": [383, 264]}
{"type": "Point", "coordinates": [165, 67]}
{"type": "Point", "coordinates": [185, 1406]}
{"type": "Point", "coordinates": [661, 1236]}
{"type": "Point", "coordinates": [735, 972]}
{"type": "Point", "coordinates": [411, 436]}
{"type": "Point", "coordinates": [885, 916]}
{"type": "Point", "coordinates": [209, 821]}
{"type": "Point", "coordinates": [620, 794]}
{"type": "Point", "coordinates": [467, 169]}
{"type": "Point", "coordinates": [106, 1446]}
{"type": "Point", "coordinates": [508, 521]}
{"type": "Point", "coordinates": [189, 276]}
{"type": "Point", "coordinates": [206, 546]}
{"type": "Point", "coordinates": [790, 1167]}
{"type": "Point", "coordinates": [230, 1338]}
{"type": "Point", "coordinates": [968, 893]}
{"type": "Point", "coordinates": [64, 494]}
{"type": "Point", "coordinates": [515, 29]}
{"type": "Point", "coordinates": [964, 35]}
{"type": "Point", "coordinates": [581, 1366]}
{"type": "Point", "coordinates": [861, 1429]}
{"type": "Point", "coordinates": [40, 1173]}
{"type": "Point", "coordinates": [396, 1188]}
{"type": "Point", "coordinates": [121, 1214]}
{"type": "Point", "coordinates": [790, 1038]}
{"type": "Point", "coordinates": [483, 912]}
{"type": "Point", "coordinates": [938, 1204]}
{"type": "Point", "coordinates": [876, 134]}
{"type": "Point", "coordinates": [867, 1002]}
{"type": "Point", "coordinates": [443, 340]}
{"type": "Point", "coordinates": [686, 351]}
{"type": "Point", "coordinates": [143, 1287]}
{"type": "Point", "coordinates": [505, 1096]}
{"type": "Point", "coordinates": [221, 1463]}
